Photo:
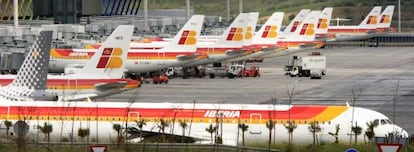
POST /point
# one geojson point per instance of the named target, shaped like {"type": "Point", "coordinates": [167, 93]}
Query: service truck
{"type": "Point", "coordinates": [313, 66]}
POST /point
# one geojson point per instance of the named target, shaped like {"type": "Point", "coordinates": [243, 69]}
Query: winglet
{"type": "Point", "coordinates": [269, 32]}
{"type": "Point", "coordinates": [386, 18]}
{"type": "Point", "coordinates": [186, 38]}
{"type": "Point", "coordinates": [109, 58]}
{"type": "Point", "coordinates": [371, 20]}
{"type": "Point", "coordinates": [30, 83]}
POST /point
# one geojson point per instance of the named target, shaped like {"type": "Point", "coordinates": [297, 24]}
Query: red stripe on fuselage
{"type": "Point", "coordinates": [296, 112]}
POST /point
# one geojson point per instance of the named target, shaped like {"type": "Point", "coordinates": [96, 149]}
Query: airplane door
{"type": "Point", "coordinates": [72, 84]}
{"type": "Point", "coordinates": [255, 123]}
{"type": "Point", "coordinates": [161, 57]}
{"type": "Point", "coordinates": [133, 116]}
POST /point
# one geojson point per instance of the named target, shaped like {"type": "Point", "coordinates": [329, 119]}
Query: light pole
{"type": "Point", "coordinates": [399, 16]}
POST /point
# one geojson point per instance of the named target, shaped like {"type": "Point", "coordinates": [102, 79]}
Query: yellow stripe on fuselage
{"type": "Point", "coordinates": [330, 113]}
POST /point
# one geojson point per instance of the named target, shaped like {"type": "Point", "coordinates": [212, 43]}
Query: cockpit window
{"type": "Point", "coordinates": [376, 121]}
{"type": "Point", "coordinates": [388, 121]}
{"type": "Point", "coordinates": [383, 122]}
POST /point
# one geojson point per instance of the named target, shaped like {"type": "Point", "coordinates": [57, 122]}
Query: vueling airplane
{"type": "Point", "coordinates": [181, 50]}
{"type": "Point", "coordinates": [101, 76]}
{"type": "Point", "coordinates": [224, 119]}
{"type": "Point", "coordinates": [365, 30]}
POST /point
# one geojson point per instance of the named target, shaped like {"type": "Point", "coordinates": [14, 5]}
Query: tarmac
{"type": "Point", "coordinates": [378, 78]}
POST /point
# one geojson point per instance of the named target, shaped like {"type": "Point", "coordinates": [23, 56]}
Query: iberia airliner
{"type": "Point", "coordinates": [181, 50]}
{"type": "Point", "coordinates": [99, 118]}
{"type": "Point", "coordinates": [365, 30]}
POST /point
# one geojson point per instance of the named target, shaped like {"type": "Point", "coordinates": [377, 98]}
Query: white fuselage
{"type": "Point", "coordinates": [68, 117]}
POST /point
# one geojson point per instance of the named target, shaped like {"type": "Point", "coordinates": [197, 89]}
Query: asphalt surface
{"type": "Point", "coordinates": [374, 77]}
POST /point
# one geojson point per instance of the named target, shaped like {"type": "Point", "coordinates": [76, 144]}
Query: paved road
{"type": "Point", "coordinates": [373, 74]}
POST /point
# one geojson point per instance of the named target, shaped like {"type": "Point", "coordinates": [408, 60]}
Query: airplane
{"type": "Point", "coordinates": [384, 25]}
{"type": "Point", "coordinates": [265, 39]}
{"type": "Point", "coordinates": [99, 118]}
{"type": "Point", "coordinates": [321, 32]}
{"type": "Point", "coordinates": [295, 23]}
{"type": "Point", "coordinates": [229, 45]}
{"type": "Point", "coordinates": [101, 76]}
{"type": "Point", "coordinates": [179, 51]}
{"type": "Point", "coordinates": [302, 39]}
{"type": "Point", "coordinates": [365, 30]}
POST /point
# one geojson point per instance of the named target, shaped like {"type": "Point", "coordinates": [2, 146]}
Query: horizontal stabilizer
{"type": "Point", "coordinates": [109, 86]}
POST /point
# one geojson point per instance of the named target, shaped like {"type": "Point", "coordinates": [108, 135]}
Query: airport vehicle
{"type": "Point", "coordinates": [101, 76]}
{"type": "Point", "coordinates": [217, 70]}
{"type": "Point", "coordinates": [161, 78]}
{"type": "Point", "coordinates": [179, 51]}
{"type": "Point", "coordinates": [365, 30]}
{"type": "Point", "coordinates": [252, 72]}
{"type": "Point", "coordinates": [313, 66]}
{"type": "Point", "coordinates": [98, 118]}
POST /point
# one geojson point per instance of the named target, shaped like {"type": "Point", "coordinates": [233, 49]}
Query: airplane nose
{"type": "Point", "coordinates": [400, 131]}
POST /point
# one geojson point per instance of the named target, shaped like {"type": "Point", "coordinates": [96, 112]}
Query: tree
{"type": "Point", "coordinates": [243, 127]}
{"type": "Point", "coordinates": [314, 128]}
{"type": "Point", "coordinates": [184, 126]}
{"type": "Point", "coordinates": [161, 126]}
{"type": "Point", "coordinates": [46, 129]}
{"type": "Point", "coordinates": [370, 133]}
{"type": "Point", "coordinates": [210, 129]}
{"type": "Point", "coordinates": [82, 133]}
{"type": "Point", "coordinates": [140, 123]}
{"type": "Point", "coordinates": [117, 128]}
{"type": "Point", "coordinates": [357, 130]}
{"type": "Point", "coordinates": [270, 125]}
{"type": "Point", "coordinates": [290, 126]}
{"type": "Point", "coordinates": [337, 128]}
{"type": "Point", "coordinates": [8, 125]}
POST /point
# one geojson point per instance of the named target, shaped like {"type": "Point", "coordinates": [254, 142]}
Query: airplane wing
{"type": "Point", "coordinates": [235, 52]}
{"type": "Point", "coordinates": [187, 57]}
{"type": "Point", "coordinates": [77, 97]}
{"type": "Point", "coordinates": [135, 133]}
{"type": "Point", "coordinates": [109, 86]}
{"type": "Point", "coordinates": [307, 45]}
